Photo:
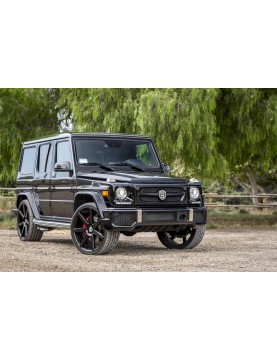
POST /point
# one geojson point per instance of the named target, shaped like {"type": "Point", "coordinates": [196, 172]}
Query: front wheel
{"type": "Point", "coordinates": [188, 239]}
{"type": "Point", "coordinates": [89, 235]}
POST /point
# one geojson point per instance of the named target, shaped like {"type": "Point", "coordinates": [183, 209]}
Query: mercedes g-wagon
{"type": "Point", "coordinates": [101, 185]}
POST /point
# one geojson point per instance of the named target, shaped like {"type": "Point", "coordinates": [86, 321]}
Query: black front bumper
{"type": "Point", "coordinates": [154, 219]}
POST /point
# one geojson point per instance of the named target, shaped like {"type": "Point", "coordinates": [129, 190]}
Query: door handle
{"type": "Point", "coordinates": [52, 188]}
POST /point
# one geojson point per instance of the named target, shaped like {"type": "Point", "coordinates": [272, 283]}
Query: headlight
{"type": "Point", "coordinates": [194, 192]}
{"type": "Point", "coordinates": [121, 193]}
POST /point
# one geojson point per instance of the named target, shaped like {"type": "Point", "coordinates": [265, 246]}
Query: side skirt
{"type": "Point", "coordinates": [44, 225]}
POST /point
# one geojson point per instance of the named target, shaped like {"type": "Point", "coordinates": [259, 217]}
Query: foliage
{"type": "Point", "coordinates": [213, 134]}
{"type": "Point", "coordinates": [24, 114]}
{"type": "Point", "coordinates": [181, 121]}
{"type": "Point", "coordinates": [247, 128]}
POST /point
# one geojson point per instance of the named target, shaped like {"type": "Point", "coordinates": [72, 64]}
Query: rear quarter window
{"type": "Point", "coordinates": [28, 160]}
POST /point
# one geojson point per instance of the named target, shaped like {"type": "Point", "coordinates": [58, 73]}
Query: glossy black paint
{"type": "Point", "coordinates": [55, 195]}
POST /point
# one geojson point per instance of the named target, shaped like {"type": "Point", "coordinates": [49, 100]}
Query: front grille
{"type": "Point", "coordinates": [159, 216]}
{"type": "Point", "coordinates": [124, 218]}
{"type": "Point", "coordinates": [151, 195]}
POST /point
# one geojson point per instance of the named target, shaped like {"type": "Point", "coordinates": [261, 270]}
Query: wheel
{"type": "Point", "coordinates": [27, 230]}
{"type": "Point", "coordinates": [188, 239]}
{"type": "Point", "coordinates": [88, 235]}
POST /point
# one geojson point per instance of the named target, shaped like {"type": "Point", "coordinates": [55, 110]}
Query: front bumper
{"type": "Point", "coordinates": [154, 219]}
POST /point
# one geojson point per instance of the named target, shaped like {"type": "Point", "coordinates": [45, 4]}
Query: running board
{"type": "Point", "coordinates": [51, 224]}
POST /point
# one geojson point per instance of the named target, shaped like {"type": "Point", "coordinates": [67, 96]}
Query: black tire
{"type": "Point", "coordinates": [186, 240]}
{"type": "Point", "coordinates": [27, 230]}
{"type": "Point", "coordinates": [88, 235]}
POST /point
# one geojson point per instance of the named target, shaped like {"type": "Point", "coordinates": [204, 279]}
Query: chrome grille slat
{"type": "Point", "coordinates": [151, 195]}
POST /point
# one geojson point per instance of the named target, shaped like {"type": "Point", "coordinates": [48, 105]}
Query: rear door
{"type": "Point", "coordinates": [62, 182]}
{"type": "Point", "coordinates": [42, 177]}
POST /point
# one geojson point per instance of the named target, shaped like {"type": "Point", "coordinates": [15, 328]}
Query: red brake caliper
{"type": "Point", "coordinates": [84, 227]}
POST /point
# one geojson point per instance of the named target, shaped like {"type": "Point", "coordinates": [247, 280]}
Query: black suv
{"type": "Point", "coordinates": [101, 185]}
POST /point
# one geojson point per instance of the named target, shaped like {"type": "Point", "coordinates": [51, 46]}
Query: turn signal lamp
{"type": "Point", "coordinates": [105, 193]}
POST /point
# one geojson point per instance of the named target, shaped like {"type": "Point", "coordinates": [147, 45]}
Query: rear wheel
{"type": "Point", "coordinates": [27, 230]}
{"type": "Point", "coordinates": [89, 235]}
{"type": "Point", "coordinates": [188, 239]}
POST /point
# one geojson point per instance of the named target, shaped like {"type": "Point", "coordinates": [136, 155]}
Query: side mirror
{"type": "Point", "coordinates": [166, 169]}
{"type": "Point", "coordinates": [63, 166]}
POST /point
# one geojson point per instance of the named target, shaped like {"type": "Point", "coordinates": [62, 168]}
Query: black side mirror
{"type": "Point", "coordinates": [166, 169]}
{"type": "Point", "coordinates": [63, 166]}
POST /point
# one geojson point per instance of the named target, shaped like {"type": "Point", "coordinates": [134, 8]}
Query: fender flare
{"type": "Point", "coordinates": [97, 199]}
{"type": "Point", "coordinates": [33, 202]}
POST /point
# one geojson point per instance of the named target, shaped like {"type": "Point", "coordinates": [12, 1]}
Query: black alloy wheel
{"type": "Point", "coordinates": [187, 239]}
{"type": "Point", "coordinates": [89, 235]}
{"type": "Point", "coordinates": [27, 230]}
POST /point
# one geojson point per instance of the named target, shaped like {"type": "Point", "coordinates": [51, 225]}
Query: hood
{"type": "Point", "coordinates": [133, 177]}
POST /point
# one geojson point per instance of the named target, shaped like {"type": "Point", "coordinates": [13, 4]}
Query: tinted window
{"type": "Point", "coordinates": [116, 152]}
{"type": "Point", "coordinates": [144, 154]}
{"type": "Point", "coordinates": [28, 160]}
{"type": "Point", "coordinates": [43, 157]}
{"type": "Point", "coordinates": [63, 152]}
{"type": "Point", "coordinates": [49, 159]}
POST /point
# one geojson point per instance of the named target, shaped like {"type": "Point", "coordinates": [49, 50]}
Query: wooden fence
{"type": "Point", "coordinates": [266, 201]}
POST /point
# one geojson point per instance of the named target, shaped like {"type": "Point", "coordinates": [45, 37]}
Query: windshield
{"type": "Point", "coordinates": [137, 154]}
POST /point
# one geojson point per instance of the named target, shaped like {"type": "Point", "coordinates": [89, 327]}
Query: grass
{"type": "Point", "coordinates": [7, 219]}
{"type": "Point", "coordinates": [236, 219]}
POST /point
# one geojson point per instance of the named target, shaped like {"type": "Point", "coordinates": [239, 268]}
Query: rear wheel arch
{"type": "Point", "coordinates": [20, 198]}
{"type": "Point", "coordinates": [32, 201]}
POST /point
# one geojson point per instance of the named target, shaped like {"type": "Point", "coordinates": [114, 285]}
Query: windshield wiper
{"type": "Point", "coordinates": [101, 165]}
{"type": "Point", "coordinates": [128, 163]}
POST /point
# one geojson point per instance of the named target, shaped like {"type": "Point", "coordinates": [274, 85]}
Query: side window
{"type": "Point", "coordinates": [63, 153]}
{"type": "Point", "coordinates": [44, 158]}
{"type": "Point", "coordinates": [28, 161]}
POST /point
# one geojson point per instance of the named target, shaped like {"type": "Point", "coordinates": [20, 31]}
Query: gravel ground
{"type": "Point", "coordinates": [221, 250]}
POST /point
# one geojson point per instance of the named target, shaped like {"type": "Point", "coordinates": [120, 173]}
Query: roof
{"type": "Point", "coordinates": [85, 135]}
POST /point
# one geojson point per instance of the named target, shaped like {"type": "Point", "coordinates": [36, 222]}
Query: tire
{"type": "Point", "coordinates": [27, 230]}
{"type": "Point", "coordinates": [88, 235]}
{"type": "Point", "coordinates": [188, 240]}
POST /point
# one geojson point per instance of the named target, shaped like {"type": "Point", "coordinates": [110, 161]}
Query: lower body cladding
{"type": "Point", "coordinates": [135, 220]}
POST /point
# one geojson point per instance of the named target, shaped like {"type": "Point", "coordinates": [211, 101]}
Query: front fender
{"type": "Point", "coordinates": [96, 197]}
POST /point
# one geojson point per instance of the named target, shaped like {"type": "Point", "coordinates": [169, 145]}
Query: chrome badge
{"type": "Point", "coordinates": [162, 194]}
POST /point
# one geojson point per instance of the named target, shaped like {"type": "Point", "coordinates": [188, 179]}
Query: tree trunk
{"type": "Point", "coordinates": [245, 187]}
{"type": "Point", "coordinates": [254, 186]}
{"type": "Point", "coordinates": [251, 190]}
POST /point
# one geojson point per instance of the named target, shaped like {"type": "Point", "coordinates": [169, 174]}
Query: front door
{"type": "Point", "coordinates": [62, 183]}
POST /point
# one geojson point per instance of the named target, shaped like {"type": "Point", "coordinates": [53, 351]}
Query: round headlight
{"type": "Point", "coordinates": [194, 192]}
{"type": "Point", "coordinates": [121, 193]}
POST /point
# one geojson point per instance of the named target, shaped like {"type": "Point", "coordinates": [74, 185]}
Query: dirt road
{"type": "Point", "coordinates": [221, 250]}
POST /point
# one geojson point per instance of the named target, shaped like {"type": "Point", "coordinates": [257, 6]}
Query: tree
{"type": "Point", "coordinates": [210, 133]}
{"type": "Point", "coordinates": [24, 114]}
{"type": "Point", "coordinates": [182, 121]}
{"type": "Point", "coordinates": [247, 133]}
{"type": "Point", "coordinates": [183, 124]}
{"type": "Point", "coordinates": [100, 110]}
